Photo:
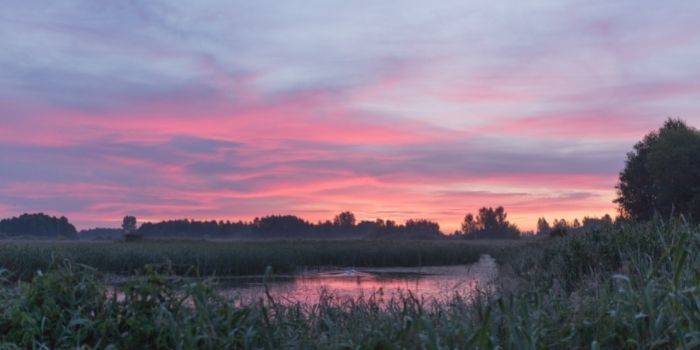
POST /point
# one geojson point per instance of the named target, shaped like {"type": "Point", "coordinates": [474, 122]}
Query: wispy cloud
{"type": "Point", "coordinates": [169, 109]}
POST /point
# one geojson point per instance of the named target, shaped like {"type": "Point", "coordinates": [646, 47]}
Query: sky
{"type": "Point", "coordinates": [392, 109]}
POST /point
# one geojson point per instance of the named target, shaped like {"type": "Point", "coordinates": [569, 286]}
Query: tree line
{"type": "Point", "coordinates": [562, 227]}
{"type": "Point", "coordinates": [39, 224]}
{"type": "Point", "coordinates": [488, 223]}
{"type": "Point", "coordinates": [344, 225]}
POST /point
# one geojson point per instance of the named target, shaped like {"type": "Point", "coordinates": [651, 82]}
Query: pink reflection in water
{"type": "Point", "coordinates": [427, 283]}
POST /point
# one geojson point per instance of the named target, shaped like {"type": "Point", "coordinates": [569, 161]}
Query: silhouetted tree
{"type": "Point", "coordinates": [560, 228]}
{"type": "Point", "coordinates": [281, 226]}
{"type": "Point", "coordinates": [369, 228]}
{"type": "Point", "coordinates": [101, 233]}
{"type": "Point", "coordinates": [489, 223]}
{"type": "Point", "coordinates": [129, 224]}
{"type": "Point", "coordinates": [194, 228]}
{"type": "Point", "coordinates": [662, 174]}
{"type": "Point", "coordinates": [344, 220]}
{"type": "Point", "coordinates": [38, 224]}
{"type": "Point", "coordinates": [289, 226]}
{"type": "Point", "coordinates": [469, 224]}
{"type": "Point", "coordinates": [543, 226]}
{"type": "Point", "coordinates": [390, 225]}
{"type": "Point", "coordinates": [422, 229]}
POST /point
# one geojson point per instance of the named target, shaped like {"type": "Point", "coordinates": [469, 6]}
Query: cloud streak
{"type": "Point", "coordinates": [214, 110]}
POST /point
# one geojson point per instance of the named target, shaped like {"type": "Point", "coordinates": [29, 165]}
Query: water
{"type": "Point", "coordinates": [426, 283]}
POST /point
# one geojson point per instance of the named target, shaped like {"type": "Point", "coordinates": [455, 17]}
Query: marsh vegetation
{"type": "Point", "coordinates": [635, 286]}
{"type": "Point", "coordinates": [225, 258]}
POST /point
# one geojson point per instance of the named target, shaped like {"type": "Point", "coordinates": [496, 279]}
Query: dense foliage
{"type": "Point", "coordinates": [101, 233]}
{"type": "Point", "coordinates": [662, 174]}
{"type": "Point", "coordinates": [489, 223]}
{"type": "Point", "coordinates": [237, 257]}
{"type": "Point", "coordinates": [129, 224]}
{"type": "Point", "coordinates": [290, 226]}
{"type": "Point", "coordinates": [40, 224]}
{"type": "Point", "coordinates": [343, 226]}
{"type": "Point", "coordinates": [562, 227]}
{"type": "Point", "coordinates": [626, 287]}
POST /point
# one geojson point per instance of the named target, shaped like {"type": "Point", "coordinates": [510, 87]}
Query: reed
{"type": "Point", "coordinates": [24, 258]}
{"type": "Point", "coordinates": [628, 287]}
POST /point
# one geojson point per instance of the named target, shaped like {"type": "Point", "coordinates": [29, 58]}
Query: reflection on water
{"type": "Point", "coordinates": [431, 282]}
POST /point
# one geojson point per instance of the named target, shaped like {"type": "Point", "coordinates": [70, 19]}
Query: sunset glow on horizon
{"type": "Point", "coordinates": [391, 109]}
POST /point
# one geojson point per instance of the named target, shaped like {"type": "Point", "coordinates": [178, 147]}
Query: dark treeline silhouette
{"type": "Point", "coordinates": [40, 225]}
{"type": "Point", "coordinates": [561, 227]}
{"type": "Point", "coordinates": [488, 223]}
{"type": "Point", "coordinates": [662, 175]}
{"type": "Point", "coordinates": [344, 225]}
{"type": "Point", "coordinates": [101, 233]}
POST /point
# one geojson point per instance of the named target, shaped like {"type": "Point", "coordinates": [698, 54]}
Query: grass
{"type": "Point", "coordinates": [631, 287]}
{"type": "Point", "coordinates": [24, 258]}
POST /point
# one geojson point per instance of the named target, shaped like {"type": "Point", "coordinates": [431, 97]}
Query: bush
{"type": "Point", "coordinates": [662, 174]}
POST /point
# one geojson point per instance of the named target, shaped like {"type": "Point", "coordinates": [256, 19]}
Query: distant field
{"type": "Point", "coordinates": [24, 258]}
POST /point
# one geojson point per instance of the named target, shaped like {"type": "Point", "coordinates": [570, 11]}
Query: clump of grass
{"type": "Point", "coordinates": [624, 288]}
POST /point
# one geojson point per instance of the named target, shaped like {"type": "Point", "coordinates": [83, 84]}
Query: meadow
{"type": "Point", "coordinates": [626, 287]}
{"type": "Point", "coordinates": [235, 258]}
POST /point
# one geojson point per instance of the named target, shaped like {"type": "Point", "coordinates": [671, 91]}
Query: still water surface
{"type": "Point", "coordinates": [427, 283]}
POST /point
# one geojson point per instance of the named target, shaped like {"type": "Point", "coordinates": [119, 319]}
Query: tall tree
{"type": "Point", "coordinates": [345, 219]}
{"type": "Point", "coordinates": [422, 229]}
{"type": "Point", "coordinates": [129, 224]}
{"type": "Point", "coordinates": [542, 226]}
{"type": "Point", "coordinates": [489, 223]}
{"type": "Point", "coordinates": [469, 224]}
{"type": "Point", "coordinates": [662, 174]}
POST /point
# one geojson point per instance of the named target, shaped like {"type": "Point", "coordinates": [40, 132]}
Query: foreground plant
{"type": "Point", "coordinates": [628, 287]}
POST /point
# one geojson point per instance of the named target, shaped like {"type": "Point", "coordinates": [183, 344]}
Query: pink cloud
{"type": "Point", "coordinates": [591, 124]}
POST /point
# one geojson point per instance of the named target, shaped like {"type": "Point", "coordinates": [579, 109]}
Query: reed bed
{"type": "Point", "coordinates": [630, 287]}
{"type": "Point", "coordinates": [221, 258]}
